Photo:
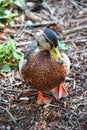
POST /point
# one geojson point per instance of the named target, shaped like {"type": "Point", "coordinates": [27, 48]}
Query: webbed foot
{"type": "Point", "coordinates": [42, 100]}
{"type": "Point", "coordinates": [59, 91]}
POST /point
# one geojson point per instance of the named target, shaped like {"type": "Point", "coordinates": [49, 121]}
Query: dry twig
{"type": "Point", "coordinates": [8, 112]}
{"type": "Point", "coordinates": [35, 24]}
{"type": "Point", "coordinates": [85, 50]}
{"type": "Point", "coordinates": [72, 30]}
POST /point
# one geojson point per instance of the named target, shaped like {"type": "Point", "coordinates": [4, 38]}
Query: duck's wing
{"type": "Point", "coordinates": [30, 51]}
{"type": "Point", "coordinates": [28, 55]}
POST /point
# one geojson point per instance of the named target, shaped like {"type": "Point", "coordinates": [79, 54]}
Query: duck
{"type": "Point", "coordinates": [44, 67]}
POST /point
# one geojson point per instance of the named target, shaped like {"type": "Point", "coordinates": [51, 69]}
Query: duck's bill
{"type": "Point", "coordinates": [56, 54]}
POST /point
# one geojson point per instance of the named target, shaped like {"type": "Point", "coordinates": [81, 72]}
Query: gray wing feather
{"type": "Point", "coordinates": [30, 51]}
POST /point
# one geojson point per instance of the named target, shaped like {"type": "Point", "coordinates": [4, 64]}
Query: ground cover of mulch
{"type": "Point", "coordinates": [18, 110]}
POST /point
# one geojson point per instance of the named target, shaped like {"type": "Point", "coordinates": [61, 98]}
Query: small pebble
{"type": "Point", "coordinates": [8, 128]}
{"type": "Point", "coordinates": [2, 127]}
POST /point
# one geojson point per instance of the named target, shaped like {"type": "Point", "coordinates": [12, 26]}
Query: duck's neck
{"type": "Point", "coordinates": [40, 49]}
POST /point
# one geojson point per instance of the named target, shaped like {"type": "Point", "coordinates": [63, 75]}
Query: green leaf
{"type": "Point", "coordinates": [62, 46]}
{"type": "Point", "coordinates": [7, 2]}
{"type": "Point", "coordinates": [7, 14]}
{"type": "Point", "coordinates": [0, 1]}
{"type": "Point", "coordinates": [8, 52]}
{"type": "Point", "coordinates": [11, 22]}
{"type": "Point", "coordinates": [1, 56]}
{"type": "Point", "coordinates": [16, 56]}
{"type": "Point", "coordinates": [11, 43]}
{"type": "Point", "coordinates": [2, 25]}
{"type": "Point", "coordinates": [20, 3]}
{"type": "Point", "coordinates": [5, 68]}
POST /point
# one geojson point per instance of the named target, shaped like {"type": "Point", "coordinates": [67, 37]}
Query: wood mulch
{"type": "Point", "coordinates": [18, 110]}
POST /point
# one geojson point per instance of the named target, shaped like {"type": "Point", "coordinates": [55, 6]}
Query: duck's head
{"type": "Point", "coordinates": [47, 40]}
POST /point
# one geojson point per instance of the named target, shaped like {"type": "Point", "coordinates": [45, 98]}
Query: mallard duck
{"type": "Point", "coordinates": [44, 68]}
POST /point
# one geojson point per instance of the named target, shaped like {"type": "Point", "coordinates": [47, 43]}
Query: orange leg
{"type": "Point", "coordinates": [41, 99]}
{"type": "Point", "coordinates": [59, 91]}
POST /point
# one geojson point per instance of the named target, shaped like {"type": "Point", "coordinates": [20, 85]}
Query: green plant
{"type": "Point", "coordinates": [62, 46]}
{"type": "Point", "coordinates": [7, 10]}
{"type": "Point", "coordinates": [9, 56]}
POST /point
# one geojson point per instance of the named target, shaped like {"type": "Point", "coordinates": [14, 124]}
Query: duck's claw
{"type": "Point", "coordinates": [59, 91]}
{"type": "Point", "coordinates": [42, 100]}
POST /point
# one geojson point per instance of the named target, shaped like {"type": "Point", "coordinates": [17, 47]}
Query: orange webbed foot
{"type": "Point", "coordinates": [59, 91]}
{"type": "Point", "coordinates": [42, 100]}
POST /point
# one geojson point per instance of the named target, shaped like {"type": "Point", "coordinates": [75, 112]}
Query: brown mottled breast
{"type": "Point", "coordinates": [43, 73]}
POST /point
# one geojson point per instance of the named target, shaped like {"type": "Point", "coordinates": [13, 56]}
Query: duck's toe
{"type": "Point", "coordinates": [42, 100]}
{"type": "Point", "coordinates": [59, 91]}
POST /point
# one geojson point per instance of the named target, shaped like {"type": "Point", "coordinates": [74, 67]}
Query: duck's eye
{"type": "Point", "coordinates": [48, 41]}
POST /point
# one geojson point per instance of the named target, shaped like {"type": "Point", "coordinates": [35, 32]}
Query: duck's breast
{"type": "Point", "coordinates": [43, 72]}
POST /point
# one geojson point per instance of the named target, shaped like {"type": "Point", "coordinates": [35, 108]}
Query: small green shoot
{"type": "Point", "coordinates": [9, 56]}
{"type": "Point", "coordinates": [62, 46]}
{"type": "Point", "coordinates": [7, 10]}
{"type": "Point", "coordinates": [20, 3]}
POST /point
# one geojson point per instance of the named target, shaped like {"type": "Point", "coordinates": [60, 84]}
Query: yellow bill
{"type": "Point", "coordinates": [56, 54]}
